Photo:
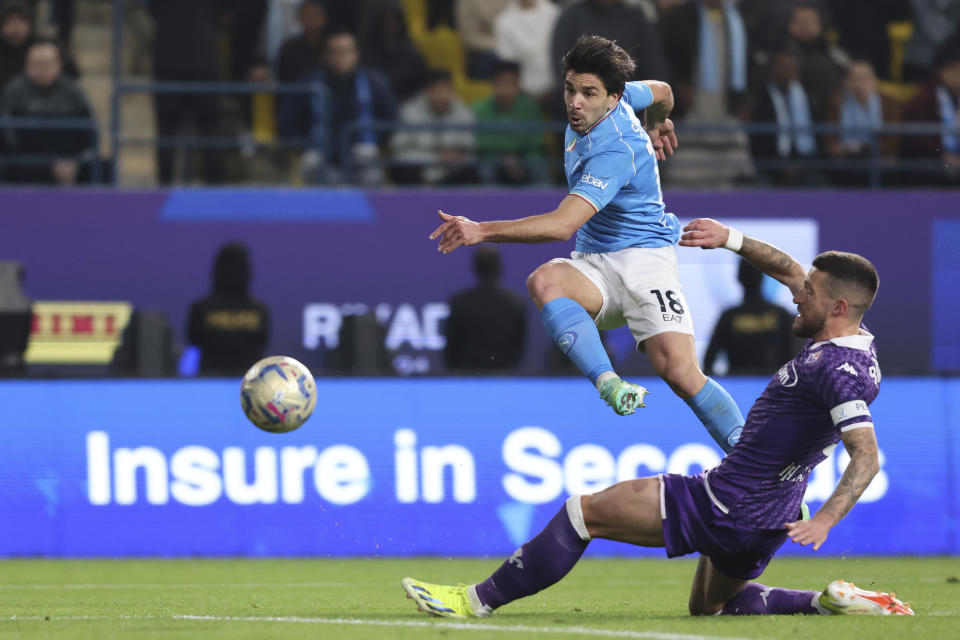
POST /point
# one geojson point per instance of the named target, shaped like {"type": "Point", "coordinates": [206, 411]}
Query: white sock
{"type": "Point", "coordinates": [575, 513]}
{"type": "Point", "coordinates": [603, 377]}
{"type": "Point", "coordinates": [479, 609]}
{"type": "Point", "coordinates": [816, 605]}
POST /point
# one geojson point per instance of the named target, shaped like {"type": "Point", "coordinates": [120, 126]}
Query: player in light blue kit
{"type": "Point", "coordinates": [624, 269]}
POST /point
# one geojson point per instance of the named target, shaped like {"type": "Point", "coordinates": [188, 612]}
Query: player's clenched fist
{"type": "Point", "coordinates": [456, 231]}
{"type": "Point", "coordinates": [705, 233]}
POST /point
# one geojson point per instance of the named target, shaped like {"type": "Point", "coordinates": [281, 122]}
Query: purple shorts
{"type": "Point", "coordinates": [692, 523]}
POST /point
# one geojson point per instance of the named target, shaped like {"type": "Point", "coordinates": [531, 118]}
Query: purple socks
{"type": "Point", "coordinates": [540, 562]}
{"type": "Point", "coordinates": [549, 556]}
{"type": "Point", "coordinates": [759, 599]}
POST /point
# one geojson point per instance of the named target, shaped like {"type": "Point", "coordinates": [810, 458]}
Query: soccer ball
{"type": "Point", "coordinates": [278, 394]}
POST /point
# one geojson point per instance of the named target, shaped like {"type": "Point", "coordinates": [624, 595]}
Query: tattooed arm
{"type": "Point", "coordinates": [711, 234]}
{"type": "Point", "coordinates": [861, 444]}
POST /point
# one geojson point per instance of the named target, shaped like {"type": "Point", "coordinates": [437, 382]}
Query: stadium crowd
{"type": "Point", "coordinates": [468, 91]}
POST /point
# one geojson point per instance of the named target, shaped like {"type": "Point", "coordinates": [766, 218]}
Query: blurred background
{"type": "Point", "coordinates": [189, 185]}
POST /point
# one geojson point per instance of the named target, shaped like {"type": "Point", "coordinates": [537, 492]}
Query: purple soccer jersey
{"type": "Point", "coordinates": [792, 427]}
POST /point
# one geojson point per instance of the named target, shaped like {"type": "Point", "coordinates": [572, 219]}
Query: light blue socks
{"type": "Point", "coordinates": [575, 333]}
{"type": "Point", "coordinates": [573, 330]}
{"type": "Point", "coordinates": [718, 412]}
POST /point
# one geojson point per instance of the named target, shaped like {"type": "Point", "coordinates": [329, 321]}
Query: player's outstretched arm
{"type": "Point", "coordinates": [559, 224]}
{"type": "Point", "coordinates": [707, 233]}
{"type": "Point", "coordinates": [861, 444]}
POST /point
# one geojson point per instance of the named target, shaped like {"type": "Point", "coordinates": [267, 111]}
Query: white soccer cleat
{"type": "Point", "coordinates": [845, 598]}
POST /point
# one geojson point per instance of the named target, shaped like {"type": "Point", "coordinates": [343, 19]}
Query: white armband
{"type": "Point", "coordinates": [734, 240]}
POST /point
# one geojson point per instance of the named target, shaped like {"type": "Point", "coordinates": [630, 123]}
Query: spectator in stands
{"type": "Point", "coordinates": [756, 336]}
{"type": "Point", "coordinates": [62, 13]}
{"type": "Point", "coordinates": [441, 13]}
{"type": "Point", "coordinates": [765, 20]}
{"type": "Point", "coordinates": [935, 23]}
{"type": "Point", "coordinates": [510, 157]}
{"type": "Point", "coordinates": [355, 95]}
{"type": "Point", "coordinates": [186, 50]}
{"type": "Point", "coordinates": [390, 51]}
{"type": "Point", "coordinates": [443, 153]}
{"type": "Point", "coordinates": [861, 109]}
{"type": "Point", "coordinates": [16, 35]}
{"type": "Point", "coordinates": [938, 102]}
{"type": "Point", "coordinates": [781, 99]}
{"type": "Point", "coordinates": [475, 20]}
{"type": "Point", "coordinates": [43, 91]}
{"type": "Point", "coordinates": [245, 21]}
{"type": "Point", "coordinates": [282, 23]}
{"type": "Point", "coordinates": [16, 315]}
{"type": "Point", "coordinates": [487, 326]}
{"type": "Point", "coordinates": [522, 33]}
{"type": "Point", "coordinates": [347, 15]}
{"type": "Point", "coordinates": [863, 29]}
{"type": "Point", "coordinates": [822, 66]}
{"type": "Point", "coordinates": [230, 327]}
{"type": "Point", "coordinates": [303, 54]}
{"type": "Point", "coordinates": [709, 72]}
{"type": "Point", "coordinates": [631, 26]}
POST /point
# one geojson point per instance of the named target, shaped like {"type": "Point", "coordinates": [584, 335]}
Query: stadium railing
{"type": "Point", "coordinates": [875, 166]}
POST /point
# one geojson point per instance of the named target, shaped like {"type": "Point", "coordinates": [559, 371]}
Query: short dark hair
{"type": "Point", "coordinates": [486, 262]}
{"type": "Point", "coordinates": [436, 76]}
{"type": "Point", "coordinates": [850, 269]}
{"type": "Point", "coordinates": [602, 57]}
{"type": "Point", "coordinates": [750, 277]}
{"type": "Point", "coordinates": [505, 66]}
{"type": "Point", "coordinates": [15, 8]}
{"type": "Point", "coordinates": [231, 269]}
{"type": "Point", "coordinates": [947, 54]}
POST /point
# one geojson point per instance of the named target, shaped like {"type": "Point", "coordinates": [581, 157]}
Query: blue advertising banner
{"type": "Point", "coordinates": [945, 337]}
{"type": "Point", "coordinates": [404, 467]}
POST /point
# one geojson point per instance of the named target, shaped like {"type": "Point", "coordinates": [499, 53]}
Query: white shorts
{"type": "Point", "coordinates": [640, 288]}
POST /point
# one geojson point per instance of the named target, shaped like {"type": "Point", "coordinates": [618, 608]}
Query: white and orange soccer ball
{"type": "Point", "coordinates": [278, 394]}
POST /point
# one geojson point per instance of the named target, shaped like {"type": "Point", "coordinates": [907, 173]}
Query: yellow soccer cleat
{"type": "Point", "coordinates": [443, 601]}
{"type": "Point", "coordinates": [845, 598]}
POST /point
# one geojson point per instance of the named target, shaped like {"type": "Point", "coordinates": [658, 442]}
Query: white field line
{"type": "Point", "coordinates": [406, 624]}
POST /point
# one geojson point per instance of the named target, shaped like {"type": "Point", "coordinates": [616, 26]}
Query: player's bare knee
{"type": "Point", "coordinates": [543, 286]}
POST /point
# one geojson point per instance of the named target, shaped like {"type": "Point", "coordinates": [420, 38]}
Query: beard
{"type": "Point", "coordinates": [805, 326]}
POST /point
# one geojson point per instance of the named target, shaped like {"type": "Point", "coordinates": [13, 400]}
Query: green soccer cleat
{"type": "Point", "coordinates": [623, 396]}
{"type": "Point", "coordinates": [845, 598]}
{"type": "Point", "coordinates": [442, 601]}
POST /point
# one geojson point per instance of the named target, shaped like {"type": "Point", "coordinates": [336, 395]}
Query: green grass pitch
{"type": "Point", "coordinates": [362, 598]}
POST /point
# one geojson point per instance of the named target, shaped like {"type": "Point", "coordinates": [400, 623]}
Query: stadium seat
{"type": "Point", "coordinates": [264, 117]}
{"type": "Point", "coordinates": [442, 49]}
{"type": "Point", "coordinates": [899, 34]}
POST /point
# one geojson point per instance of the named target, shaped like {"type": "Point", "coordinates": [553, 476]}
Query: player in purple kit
{"type": "Point", "coordinates": [739, 513]}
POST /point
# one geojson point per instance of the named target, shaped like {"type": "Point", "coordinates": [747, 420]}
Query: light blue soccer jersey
{"type": "Point", "coordinates": [614, 168]}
